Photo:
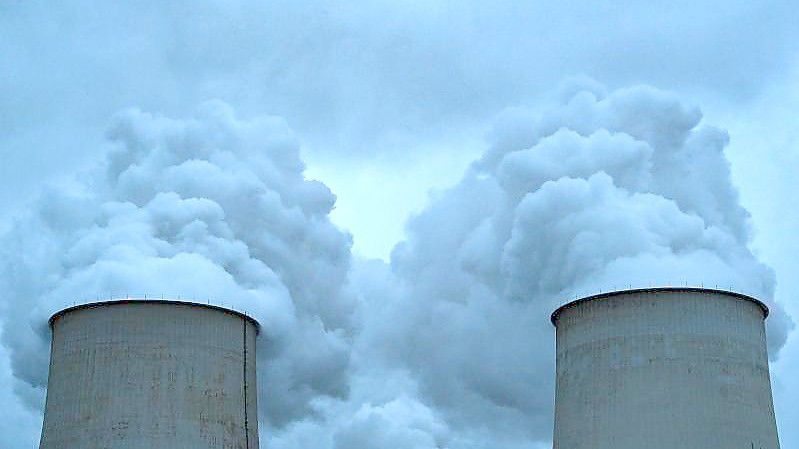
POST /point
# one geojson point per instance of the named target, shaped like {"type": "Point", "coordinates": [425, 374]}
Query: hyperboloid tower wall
{"type": "Point", "coordinates": [663, 368]}
{"type": "Point", "coordinates": [144, 374]}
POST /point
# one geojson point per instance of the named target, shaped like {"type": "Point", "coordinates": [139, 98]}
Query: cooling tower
{"type": "Point", "coordinates": [663, 368]}
{"type": "Point", "coordinates": [147, 374]}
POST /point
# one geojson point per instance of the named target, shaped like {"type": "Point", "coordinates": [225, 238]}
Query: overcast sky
{"type": "Point", "coordinates": [364, 125]}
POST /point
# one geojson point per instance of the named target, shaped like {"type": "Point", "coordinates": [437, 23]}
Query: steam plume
{"type": "Point", "coordinates": [448, 345]}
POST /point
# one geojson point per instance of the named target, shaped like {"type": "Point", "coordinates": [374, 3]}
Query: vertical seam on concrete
{"type": "Point", "coordinates": [246, 397]}
{"type": "Point", "coordinates": [49, 372]}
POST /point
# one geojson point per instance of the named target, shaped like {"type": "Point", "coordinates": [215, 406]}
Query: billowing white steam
{"type": "Point", "coordinates": [603, 191]}
{"type": "Point", "coordinates": [210, 207]}
{"type": "Point", "coordinates": [449, 345]}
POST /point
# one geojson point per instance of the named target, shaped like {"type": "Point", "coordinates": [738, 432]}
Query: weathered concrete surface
{"type": "Point", "coordinates": [663, 369]}
{"type": "Point", "coordinates": [151, 374]}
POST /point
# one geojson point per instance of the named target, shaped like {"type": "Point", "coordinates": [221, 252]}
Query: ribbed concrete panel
{"type": "Point", "coordinates": [663, 369]}
{"type": "Point", "coordinates": [151, 374]}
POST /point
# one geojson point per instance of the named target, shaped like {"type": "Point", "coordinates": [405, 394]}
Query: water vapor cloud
{"type": "Point", "coordinates": [448, 345]}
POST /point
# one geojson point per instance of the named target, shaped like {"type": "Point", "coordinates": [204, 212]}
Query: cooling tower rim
{"type": "Point", "coordinates": [576, 302]}
{"type": "Point", "coordinates": [178, 302]}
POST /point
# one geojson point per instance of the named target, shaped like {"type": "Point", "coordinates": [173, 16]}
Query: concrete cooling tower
{"type": "Point", "coordinates": [663, 368]}
{"type": "Point", "coordinates": [146, 374]}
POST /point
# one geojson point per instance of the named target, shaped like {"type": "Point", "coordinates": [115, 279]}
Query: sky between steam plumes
{"type": "Point", "coordinates": [147, 143]}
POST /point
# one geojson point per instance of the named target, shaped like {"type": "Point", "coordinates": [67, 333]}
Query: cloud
{"type": "Point", "coordinates": [605, 189]}
{"type": "Point", "coordinates": [209, 207]}
{"type": "Point", "coordinates": [401, 423]}
{"type": "Point", "coordinates": [601, 191]}
{"type": "Point", "coordinates": [20, 425]}
{"type": "Point", "coordinates": [447, 346]}
{"type": "Point", "coordinates": [376, 89]}
{"type": "Point", "coordinates": [355, 79]}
